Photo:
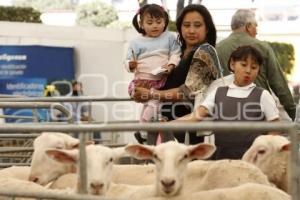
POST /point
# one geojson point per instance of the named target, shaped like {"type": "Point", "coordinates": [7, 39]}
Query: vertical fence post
{"type": "Point", "coordinates": [90, 119]}
{"type": "Point", "coordinates": [82, 178]}
{"type": "Point", "coordinates": [294, 164]}
{"type": "Point", "coordinates": [35, 115]}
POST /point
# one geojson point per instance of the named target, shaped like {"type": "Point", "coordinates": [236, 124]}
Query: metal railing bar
{"type": "Point", "coordinates": [48, 105]}
{"type": "Point", "coordinates": [11, 96]}
{"type": "Point", "coordinates": [4, 165]}
{"type": "Point", "coordinates": [17, 136]}
{"type": "Point", "coordinates": [16, 117]}
{"type": "Point", "coordinates": [64, 99]}
{"type": "Point", "coordinates": [14, 156]}
{"type": "Point", "coordinates": [15, 149]}
{"type": "Point", "coordinates": [50, 195]}
{"type": "Point", "coordinates": [204, 126]}
{"type": "Point", "coordinates": [30, 149]}
{"type": "Point", "coordinates": [92, 122]}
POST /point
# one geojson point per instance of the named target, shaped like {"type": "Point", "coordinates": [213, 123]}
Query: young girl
{"type": "Point", "coordinates": [241, 100]}
{"type": "Point", "coordinates": [152, 55]}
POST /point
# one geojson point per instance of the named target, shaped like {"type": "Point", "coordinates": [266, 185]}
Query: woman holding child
{"type": "Point", "coordinates": [198, 67]}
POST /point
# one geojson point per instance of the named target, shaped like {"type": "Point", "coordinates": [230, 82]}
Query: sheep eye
{"type": "Point", "coordinates": [156, 157]}
{"type": "Point", "coordinates": [111, 159]}
{"type": "Point", "coordinates": [261, 152]}
{"type": "Point", "coordinates": [184, 157]}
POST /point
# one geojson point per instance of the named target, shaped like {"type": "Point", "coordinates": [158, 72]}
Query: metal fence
{"type": "Point", "coordinates": [13, 130]}
{"type": "Point", "coordinates": [14, 154]}
{"type": "Point", "coordinates": [60, 100]}
{"type": "Point", "coordinates": [289, 128]}
{"type": "Point", "coordinates": [34, 106]}
{"type": "Point", "coordinates": [51, 103]}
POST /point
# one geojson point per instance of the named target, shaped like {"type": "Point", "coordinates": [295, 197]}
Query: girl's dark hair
{"type": "Point", "coordinates": [243, 52]}
{"type": "Point", "coordinates": [211, 35]}
{"type": "Point", "coordinates": [153, 10]}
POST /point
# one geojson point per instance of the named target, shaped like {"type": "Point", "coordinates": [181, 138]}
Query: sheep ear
{"type": "Point", "coordinates": [119, 152]}
{"type": "Point", "coordinates": [141, 152]}
{"type": "Point", "coordinates": [285, 147]}
{"type": "Point", "coordinates": [63, 156]}
{"type": "Point", "coordinates": [201, 151]}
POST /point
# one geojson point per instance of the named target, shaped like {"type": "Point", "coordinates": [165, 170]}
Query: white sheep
{"type": "Point", "coordinates": [43, 170]}
{"type": "Point", "coordinates": [207, 174]}
{"type": "Point", "coordinates": [270, 153]}
{"type": "Point", "coordinates": [171, 161]}
{"type": "Point", "coordinates": [134, 174]}
{"type": "Point", "coordinates": [221, 174]}
{"type": "Point", "coordinates": [64, 181]}
{"type": "Point", "coordinates": [123, 174]}
{"type": "Point", "coordinates": [17, 172]}
{"type": "Point", "coordinates": [99, 164]}
{"type": "Point", "coordinates": [248, 191]}
{"type": "Point", "coordinates": [12, 184]}
{"type": "Point", "coordinates": [8, 185]}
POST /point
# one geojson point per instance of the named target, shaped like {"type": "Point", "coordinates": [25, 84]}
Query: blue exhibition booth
{"type": "Point", "coordinates": [26, 70]}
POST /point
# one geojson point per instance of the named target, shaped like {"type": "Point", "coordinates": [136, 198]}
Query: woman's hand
{"type": "Point", "coordinates": [169, 67]}
{"type": "Point", "coordinates": [141, 94]}
{"type": "Point", "coordinates": [133, 65]}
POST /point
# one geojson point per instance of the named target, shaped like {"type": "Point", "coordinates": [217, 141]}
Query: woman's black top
{"type": "Point", "coordinates": [173, 110]}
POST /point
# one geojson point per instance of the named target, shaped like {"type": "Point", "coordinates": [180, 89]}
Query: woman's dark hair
{"type": "Point", "coordinates": [153, 10]}
{"type": "Point", "coordinates": [75, 82]}
{"type": "Point", "coordinates": [243, 52]}
{"type": "Point", "coordinates": [211, 35]}
{"type": "Point", "coordinates": [76, 92]}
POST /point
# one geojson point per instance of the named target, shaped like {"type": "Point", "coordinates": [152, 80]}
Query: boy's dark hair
{"type": "Point", "coordinates": [153, 10]}
{"type": "Point", "coordinates": [243, 52]}
{"type": "Point", "coordinates": [211, 35]}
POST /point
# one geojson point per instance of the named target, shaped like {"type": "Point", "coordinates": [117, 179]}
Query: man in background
{"type": "Point", "coordinates": [271, 78]}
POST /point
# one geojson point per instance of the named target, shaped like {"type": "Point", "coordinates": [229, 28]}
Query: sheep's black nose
{"type": "Point", "coordinates": [97, 185]}
{"type": "Point", "coordinates": [168, 183]}
{"type": "Point", "coordinates": [33, 179]}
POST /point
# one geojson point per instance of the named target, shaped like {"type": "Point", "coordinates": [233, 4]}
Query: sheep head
{"type": "Point", "coordinates": [171, 160]}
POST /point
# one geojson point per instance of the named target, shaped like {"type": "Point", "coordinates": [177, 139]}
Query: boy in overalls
{"type": "Point", "coordinates": [241, 100]}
